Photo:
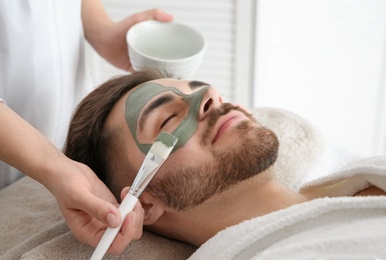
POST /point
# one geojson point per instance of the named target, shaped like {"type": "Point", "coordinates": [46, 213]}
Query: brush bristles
{"type": "Point", "coordinates": [164, 144]}
{"type": "Point", "coordinates": [167, 139]}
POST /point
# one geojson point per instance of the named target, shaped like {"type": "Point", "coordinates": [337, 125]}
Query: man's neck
{"type": "Point", "coordinates": [250, 199]}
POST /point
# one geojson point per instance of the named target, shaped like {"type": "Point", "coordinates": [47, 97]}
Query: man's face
{"type": "Point", "coordinates": [153, 107]}
{"type": "Point", "coordinates": [219, 144]}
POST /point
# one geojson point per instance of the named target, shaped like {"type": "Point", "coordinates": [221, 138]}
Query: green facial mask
{"type": "Point", "coordinates": [137, 100]}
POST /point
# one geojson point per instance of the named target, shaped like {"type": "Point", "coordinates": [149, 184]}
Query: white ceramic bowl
{"type": "Point", "coordinates": [172, 47]}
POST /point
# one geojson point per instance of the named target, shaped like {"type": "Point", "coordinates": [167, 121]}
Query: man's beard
{"type": "Point", "coordinates": [255, 150]}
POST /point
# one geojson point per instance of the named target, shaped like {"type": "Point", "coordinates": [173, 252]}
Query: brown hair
{"type": "Point", "coordinates": [88, 141]}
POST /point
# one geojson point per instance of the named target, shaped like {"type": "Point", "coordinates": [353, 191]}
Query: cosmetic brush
{"type": "Point", "coordinates": [156, 156]}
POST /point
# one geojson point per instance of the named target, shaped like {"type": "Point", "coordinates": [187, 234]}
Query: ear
{"type": "Point", "coordinates": [154, 209]}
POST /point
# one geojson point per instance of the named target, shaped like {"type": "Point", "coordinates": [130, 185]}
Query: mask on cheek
{"type": "Point", "coordinates": [137, 100]}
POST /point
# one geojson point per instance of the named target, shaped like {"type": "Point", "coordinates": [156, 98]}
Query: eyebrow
{"type": "Point", "coordinates": [196, 84]}
{"type": "Point", "coordinates": [160, 101]}
{"type": "Point", "coordinates": [164, 99]}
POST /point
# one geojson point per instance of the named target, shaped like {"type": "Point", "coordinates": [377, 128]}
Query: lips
{"type": "Point", "coordinates": [225, 122]}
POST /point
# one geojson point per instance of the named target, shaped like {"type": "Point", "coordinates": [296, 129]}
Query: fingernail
{"type": "Point", "coordinates": [111, 219]}
{"type": "Point", "coordinates": [168, 16]}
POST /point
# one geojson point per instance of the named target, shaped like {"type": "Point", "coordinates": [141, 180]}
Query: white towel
{"type": "Point", "coordinates": [356, 176]}
{"type": "Point", "coordinates": [326, 228]}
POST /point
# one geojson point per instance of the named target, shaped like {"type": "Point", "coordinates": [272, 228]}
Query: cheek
{"type": "Point", "coordinates": [190, 155]}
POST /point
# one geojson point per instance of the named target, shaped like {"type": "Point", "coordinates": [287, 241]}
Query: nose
{"type": "Point", "coordinates": [211, 100]}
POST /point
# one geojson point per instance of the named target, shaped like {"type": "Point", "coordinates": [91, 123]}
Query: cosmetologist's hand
{"type": "Point", "coordinates": [109, 38]}
{"type": "Point", "coordinates": [89, 208]}
{"type": "Point", "coordinates": [85, 201]}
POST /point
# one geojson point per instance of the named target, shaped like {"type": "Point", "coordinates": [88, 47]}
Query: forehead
{"type": "Point", "coordinates": [182, 85]}
{"type": "Point", "coordinates": [117, 113]}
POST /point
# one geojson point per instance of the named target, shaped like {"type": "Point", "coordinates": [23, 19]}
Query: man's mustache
{"type": "Point", "coordinates": [215, 114]}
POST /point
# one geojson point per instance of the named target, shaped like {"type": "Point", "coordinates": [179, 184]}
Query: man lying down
{"type": "Point", "coordinates": [217, 190]}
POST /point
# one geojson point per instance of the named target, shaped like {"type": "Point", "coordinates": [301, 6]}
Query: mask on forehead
{"type": "Point", "coordinates": [136, 101]}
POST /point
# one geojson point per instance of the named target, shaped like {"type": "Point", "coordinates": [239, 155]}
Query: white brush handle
{"type": "Point", "coordinates": [108, 237]}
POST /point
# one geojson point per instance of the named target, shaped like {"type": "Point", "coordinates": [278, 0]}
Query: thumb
{"type": "Point", "coordinates": [102, 210]}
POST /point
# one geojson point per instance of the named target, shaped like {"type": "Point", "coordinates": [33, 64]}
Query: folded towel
{"type": "Point", "coordinates": [351, 178]}
{"type": "Point", "coordinates": [27, 208]}
{"type": "Point", "coordinates": [32, 227]}
{"type": "Point", "coordinates": [66, 246]}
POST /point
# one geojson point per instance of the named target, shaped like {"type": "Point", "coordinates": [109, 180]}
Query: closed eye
{"type": "Point", "coordinates": [167, 120]}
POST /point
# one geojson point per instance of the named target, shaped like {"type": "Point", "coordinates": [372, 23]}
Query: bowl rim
{"type": "Point", "coordinates": [165, 23]}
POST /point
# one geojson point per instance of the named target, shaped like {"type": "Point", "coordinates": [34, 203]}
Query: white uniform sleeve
{"type": "Point", "coordinates": [1, 100]}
